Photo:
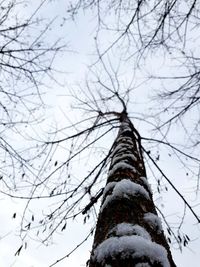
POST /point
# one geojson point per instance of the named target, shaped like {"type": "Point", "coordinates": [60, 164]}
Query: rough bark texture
{"type": "Point", "coordinates": [127, 232]}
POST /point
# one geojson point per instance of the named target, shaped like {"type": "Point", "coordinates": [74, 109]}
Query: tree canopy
{"type": "Point", "coordinates": [142, 55]}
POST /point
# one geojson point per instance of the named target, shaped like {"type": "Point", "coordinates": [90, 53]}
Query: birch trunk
{"type": "Point", "coordinates": [128, 231]}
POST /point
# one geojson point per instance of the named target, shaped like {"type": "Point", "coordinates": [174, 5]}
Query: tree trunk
{"type": "Point", "coordinates": [128, 232]}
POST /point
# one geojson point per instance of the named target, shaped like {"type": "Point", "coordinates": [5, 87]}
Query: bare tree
{"type": "Point", "coordinates": [74, 195]}
{"type": "Point", "coordinates": [147, 25]}
{"type": "Point", "coordinates": [26, 60]}
{"type": "Point", "coordinates": [139, 29]}
{"type": "Point", "coordinates": [128, 231]}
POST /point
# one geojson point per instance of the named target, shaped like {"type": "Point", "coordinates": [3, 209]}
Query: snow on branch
{"type": "Point", "coordinates": [108, 187]}
{"type": "Point", "coordinates": [142, 264]}
{"type": "Point", "coordinates": [145, 182]}
{"type": "Point", "coordinates": [121, 166]}
{"type": "Point", "coordinates": [123, 189]}
{"type": "Point", "coordinates": [127, 229]}
{"type": "Point", "coordinates": [136, 247]}
{"type": "Point", "coordinates": [124, 156]}
{"type": "Point", "coordinates": [122, 147]}
{"type": "Point", "coordinates": [154, 221]}
{"type": "Point", "coordinates": [125, 127]}
{"type": "Point", "coordinates": [124, 139]}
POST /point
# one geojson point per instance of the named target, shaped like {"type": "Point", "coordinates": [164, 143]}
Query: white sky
{"type": "Point", "coordinates": [80, 37]}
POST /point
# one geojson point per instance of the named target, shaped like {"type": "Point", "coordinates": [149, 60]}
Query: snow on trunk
{"type": "Point", "coordinates": [128, 232]}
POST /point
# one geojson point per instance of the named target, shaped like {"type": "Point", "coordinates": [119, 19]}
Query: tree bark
{"type": "Point", "coordinates": [128, 231]}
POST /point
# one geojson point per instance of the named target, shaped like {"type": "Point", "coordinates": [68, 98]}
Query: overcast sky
{"type": "Point", "coordinates": [80, 37]}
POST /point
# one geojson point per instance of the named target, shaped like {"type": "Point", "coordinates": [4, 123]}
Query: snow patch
{"type": "Point", "coordinates": [144, 180]}
{"type": "Point", "coordinates": [108, 187]}
{"type": "Point", "coordinates": [130, 246]}
{"type": "Point", "coordinates": [122, 157]}
{"type": "Point", "coordinates": [128, 229]}
{"type": "Point", "coordinates": [122, 147]}
{"type": "Point", "coordinates": [154, 221]}
{"type": "Point", "coordinates": [125, 124]}
{"type": "Point", "coordinates": [124, 139]}
{"type": "Point", "coordinates": [121, 150]}
{"type": "Point", "coordinates": [143, 264]}
{"type": "Point", "coordinates": [125, 127]}
{"type": "Point", "coordinates": [126, 142]}
{"type": "Point", "coordinates": [122, 166]}
{"type": "Point", "coordinates": [124, 189]}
